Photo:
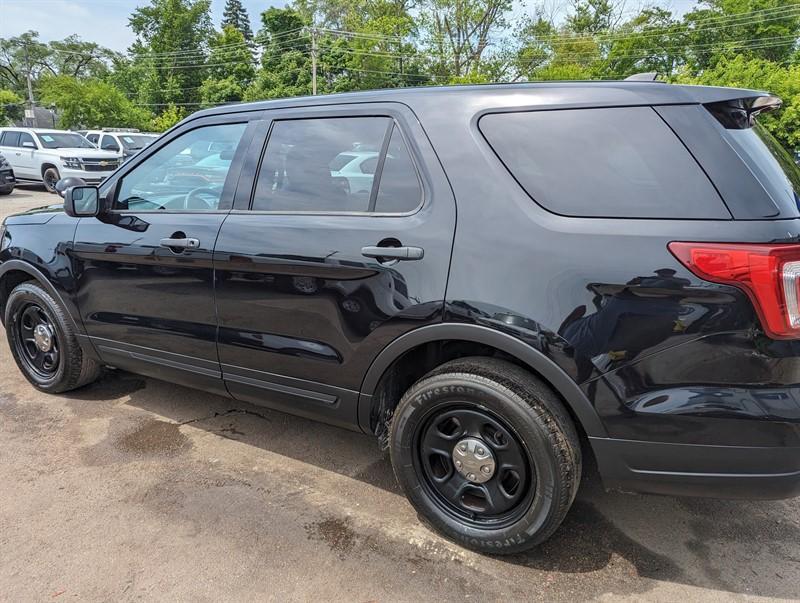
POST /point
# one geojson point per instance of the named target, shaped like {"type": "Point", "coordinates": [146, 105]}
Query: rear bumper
{"type": "Point", "coordinates": [698, 470]}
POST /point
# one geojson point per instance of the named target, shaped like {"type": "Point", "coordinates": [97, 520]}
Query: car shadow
{"type": "Point", "coordinates": [698, 542]}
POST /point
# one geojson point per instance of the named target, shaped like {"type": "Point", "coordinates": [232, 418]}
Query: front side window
{"type": "Point", "coordinates": [93, 138]}
{"type": "Point", "coordinates": [25, 137]}
{"type": "Point", "coordinates": [188, 173]}
{"type": "Point", "coordinates": [63, 140]}
{"type": "Point", "coordinates": [109, 144]}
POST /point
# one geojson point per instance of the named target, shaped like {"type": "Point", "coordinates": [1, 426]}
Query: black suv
{"type": "Point", "coordinates": [495, 281]}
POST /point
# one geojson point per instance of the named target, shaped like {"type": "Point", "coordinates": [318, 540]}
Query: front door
{"type": "Point", "coordinates": [322, 263]}
{"type": "Point", "coordinates": [144, 274]}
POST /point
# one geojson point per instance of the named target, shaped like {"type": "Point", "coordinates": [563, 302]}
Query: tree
{"type": "Point", "coordinates": [235, 15]}
{"type": "Point", "coordinates": [91, 104]}
{"type": "Point", "coordinates": [170, 49]}
{"type": "Point", "coordinates": [10, 106]}
{"type": "Point", "coordinates": [230, 68]}
{"type": "Point", "coordinates": [168, 118]}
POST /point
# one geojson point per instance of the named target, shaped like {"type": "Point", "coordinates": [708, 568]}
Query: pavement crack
{"type": "Point", "coordinates": [227, 413]}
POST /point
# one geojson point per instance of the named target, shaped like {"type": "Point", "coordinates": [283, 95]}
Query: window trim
{"type": "Point", "coordinates": [301, 114]}
{"type": "Point", "coordinates": [231, 178]}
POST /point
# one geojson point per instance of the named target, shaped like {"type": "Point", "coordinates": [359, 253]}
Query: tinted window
{"type": "Point", "coordinates": [617, 162]}
{"type": "Point", "coordinates": [108, 143]}
{"type": "Point", "coordinates": [773, 165]}
{"type": "Point", "coordinates": [25, 137]}
{"type": "Point", "coordinates": [93, 138]}
{"type": "Point", "coordinates": [188, 173]}
{"type": "Point", "coordinates": [399, 190]}
{"type": "Point", "coordinates": [10, 139]}
{"type": "Point", "coordinates": [296, 172]}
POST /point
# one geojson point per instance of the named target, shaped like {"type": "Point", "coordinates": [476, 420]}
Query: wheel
{"type": "Point", "coordinates": [43, 341]}
{"type": "Point", "coordinates": [487, 454]}
{"type": "Point", "coordinates": [50, 177]}
{"type": "Point", "coordinates": [6, 190]}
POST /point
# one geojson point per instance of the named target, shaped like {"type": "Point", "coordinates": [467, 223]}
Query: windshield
{"type": "Point", "coordinates": [135, 141]}
{"type": "Point", "coordinates": [771, 163]}
{"type": "Point", "coordinates": [63, 140]}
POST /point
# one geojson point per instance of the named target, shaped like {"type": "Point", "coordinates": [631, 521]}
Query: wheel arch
{"type": "Point", "coordinates": [14, 272]}
{"type": "Point", "coordinates": [46, 166]}
{"type": "Point", "coordinates": [527, 356]}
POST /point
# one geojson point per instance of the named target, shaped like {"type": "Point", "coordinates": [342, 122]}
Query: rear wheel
{"type": "Point", "coordinates": [43, 341]}
{"type": "Point", "coordinates": [487, 454]}
{"type": "Point", "coordinates": [50, 177]}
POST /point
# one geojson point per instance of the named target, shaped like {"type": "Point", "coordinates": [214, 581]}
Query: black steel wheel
{"type": "Point", "coordinates": [37, 341]}
{"type": "Point", "coordinates": [487, 454]}
{"type": "Point", "coordinates": [475, 465]}
{"type": "Point", "coordinates": [43, 341]}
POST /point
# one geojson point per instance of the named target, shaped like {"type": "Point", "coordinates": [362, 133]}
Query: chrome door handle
{"type": "Point", "coordinates": [180, 243]}
{"type": "Point", "coordinates": [394, 253]}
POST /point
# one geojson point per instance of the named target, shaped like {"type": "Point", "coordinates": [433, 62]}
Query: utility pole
{"type": "Point", "coordinates": [31, 104]}
{"type": "Point", "coordinates": [314, 61]}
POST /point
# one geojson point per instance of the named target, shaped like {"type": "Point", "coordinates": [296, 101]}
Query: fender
{"type": "Point", "coordinates": [47, 285]}
{"type": "Point", "coordinates": [530, 356]}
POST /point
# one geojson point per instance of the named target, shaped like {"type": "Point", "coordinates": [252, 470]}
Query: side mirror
{"type": "Point", "coordinates": [82, 201]}
{"type": "Point", "coordinates": [28, 145]}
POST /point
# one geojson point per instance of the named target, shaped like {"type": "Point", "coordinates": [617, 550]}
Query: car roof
{"type": "Point", "coordinates": [553, 94]}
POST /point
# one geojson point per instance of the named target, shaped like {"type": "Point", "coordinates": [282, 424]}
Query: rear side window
{"type": "Point", "coordinates": [9, 139]}
{"type": "Point", "coordinates": [615, 162]}
{"type": "Point", "coordinates": [334, 165]}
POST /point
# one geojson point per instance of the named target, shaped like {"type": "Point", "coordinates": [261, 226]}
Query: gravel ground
{"type": "Point", "coordinates": [134, 489]}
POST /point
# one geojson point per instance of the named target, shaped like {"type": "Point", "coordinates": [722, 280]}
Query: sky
{"type": "Point", "coordinates": [102, 21]}
{"type": "Point", "coordinates": [106, 21]}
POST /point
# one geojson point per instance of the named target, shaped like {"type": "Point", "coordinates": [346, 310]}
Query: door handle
{"type": "Point", "coordinates": [394, 253]}
{"type": "Point", "coordinates": [180, 243]}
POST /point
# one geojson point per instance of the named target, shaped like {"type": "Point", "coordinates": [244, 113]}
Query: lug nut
{"type": "Point", "coordinates": [471, 476]}
{"type": "Point", "coordinates": [486, 469]}
{"type": "Point", "coordinates": [458, 464]}
{"type": "Point", "coordinates": [463, 447]}
{"type": "Point", "coordinates": [481, 451]}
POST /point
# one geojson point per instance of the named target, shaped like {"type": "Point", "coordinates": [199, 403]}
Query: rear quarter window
{"type": "Point", "coordinates": [607, 162]}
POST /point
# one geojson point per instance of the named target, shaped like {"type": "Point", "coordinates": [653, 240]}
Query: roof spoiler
{"type": "Point", "coordinates": [650, 76]}
{"type": "Point", "coordinates": [741, 113]}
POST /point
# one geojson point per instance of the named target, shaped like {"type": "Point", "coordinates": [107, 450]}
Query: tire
{"type": "Point", "coordinates": [68, 368]}
{"type": "Point", "coordinates": [50, 177]}
{"type": "Point", "coordinates": [533, 447]}
{"type": "Point", "coordinates": [6, 190]}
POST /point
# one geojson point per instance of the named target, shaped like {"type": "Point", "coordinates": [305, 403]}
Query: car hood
{"type": "Point", "coordinates": [82, 152]}
{"type": "Point", "coordinates": [37, 215]}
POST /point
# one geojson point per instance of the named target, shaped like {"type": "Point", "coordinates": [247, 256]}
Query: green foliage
{"type": "Point", "coordinates": [91, 104]}
{"type": "Point", "coordinates": [760, 74]}
{"type": "Point", "coordinates": [235, 15]}
{"type": "Point", "coordinates": [171, 40]}
{"type": "Point", "coordinates": [10, 106]}
{"type": "Point", "coordinates": [168, 118]}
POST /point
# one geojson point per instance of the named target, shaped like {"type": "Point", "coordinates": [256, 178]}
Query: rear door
{"type": "Point", "coordinates": [317, 273]}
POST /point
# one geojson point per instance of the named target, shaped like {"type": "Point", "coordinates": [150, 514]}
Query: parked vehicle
{"type": "Point", "coordinates": [7, 179]}
{"type": "Point", "coordinates": [124, 143]}
{"type": "Point", "coordinates": [622, 281]}
{"type": "Point", "coordinates": [48, 155]}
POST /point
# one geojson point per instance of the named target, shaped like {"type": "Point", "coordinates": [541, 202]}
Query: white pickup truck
{"type": "Point", "coordinates": [47, 155]}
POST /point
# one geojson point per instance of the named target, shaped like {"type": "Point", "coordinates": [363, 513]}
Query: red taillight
{"type": "Point", "coordinates": [769, 274]}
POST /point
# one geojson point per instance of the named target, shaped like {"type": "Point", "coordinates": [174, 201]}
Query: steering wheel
{"type": "Point", "coordinates": [194, 199]}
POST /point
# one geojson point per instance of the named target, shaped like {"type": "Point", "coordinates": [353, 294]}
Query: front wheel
{"type": "Point", "coordinates": [487, 454]}
{"type": "Point", "coordinates": [43, 341]}
{"type": "Point", "coordinates": [50, 177]}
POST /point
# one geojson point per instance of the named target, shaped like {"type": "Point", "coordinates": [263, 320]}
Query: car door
{"type": "Point", "coordinates": [143, 269]}
{"type": "Point", "coordinates": [309, 284]}
{"type": "Point", "coordinates": [26, 155]}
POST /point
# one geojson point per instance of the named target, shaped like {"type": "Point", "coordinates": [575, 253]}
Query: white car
{"type": "Point", "coordinates": [124, 144]}
{"type": "Point", "coordinates": [358, 167]}
{"type": "Point", "coordinates": [46, 156]}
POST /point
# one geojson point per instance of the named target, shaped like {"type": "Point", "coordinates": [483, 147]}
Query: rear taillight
{"type": "Point", "coordinates": [769, 274]}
